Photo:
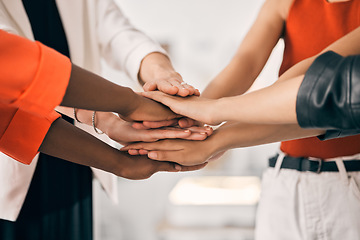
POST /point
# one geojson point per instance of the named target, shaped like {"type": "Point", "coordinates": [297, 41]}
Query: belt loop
{"type": "Point", "coordinates": [278, 164]}
{"type": "Point", "coordinates": [342, 170]}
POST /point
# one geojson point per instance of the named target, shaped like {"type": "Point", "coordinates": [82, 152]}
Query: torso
{"type": "Point", "coordinates": [311, 26]}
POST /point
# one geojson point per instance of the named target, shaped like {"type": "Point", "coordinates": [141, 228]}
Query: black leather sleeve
{"type": "Point", "coordinates": [329, 96]}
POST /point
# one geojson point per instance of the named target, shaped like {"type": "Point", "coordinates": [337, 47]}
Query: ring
{"type": "Point", "coordinates": [183, 83]}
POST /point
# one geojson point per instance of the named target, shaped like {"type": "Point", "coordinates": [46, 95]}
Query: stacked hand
{"type": "Point", "coordinates": [183, 151]}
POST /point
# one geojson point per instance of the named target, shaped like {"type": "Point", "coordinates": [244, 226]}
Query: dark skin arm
{"type": "Point", "coordinates": [89, 91]}
{"type": "Point", "coordinates": [92, 92]}
{"type": "Point", "coordinates": [82, 148]}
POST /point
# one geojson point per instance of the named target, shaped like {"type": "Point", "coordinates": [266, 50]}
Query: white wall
{"type": "Point", "coordinates": [203, 36]}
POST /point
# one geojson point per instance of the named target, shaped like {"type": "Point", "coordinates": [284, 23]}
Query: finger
{"type": "Point", "coordinates": [160, 124]}
{"type": "Point", "coordinates": [139, 126]}
{"type": "Point", "coordinates": [183, 90]}
{"type": "Point", "coordinates": [133, 152]}
{"type": "Point", "coordinates": [167, 86]}
{"type": "Point", "coordinates": [190, 88]}
{"type": "Point", "coordinates": [143, 152]}
{"type": "Point", "coordinates": [186, 122]}
{"type": "Point", "coordinates": [197, 92]}
{"type": "Point", "coordinates": [159, 97]}
{"type": "Point", "coordinates": [154, 135]}
{"type": "Point", "coordinates": [197, 136]}
{"type": "Point", "coordinates": [207, 130]}
{"type": "Point", "coordinates": [152, 146]}
{"type": "Point", "coordinates": [150, 86]}
{"type": "Point", "coordinates": [168, 167]}
{"type": "Point", "coordinates": [163, 155]}
{"type": "Point", "coordinates": [193, 168]}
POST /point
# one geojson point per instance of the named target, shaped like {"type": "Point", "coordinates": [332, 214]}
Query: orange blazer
{"type": "Point", "coordinates": [33, 82]}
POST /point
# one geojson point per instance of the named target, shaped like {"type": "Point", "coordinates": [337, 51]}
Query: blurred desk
{"type": "Point", "coordinates": [212, 208]}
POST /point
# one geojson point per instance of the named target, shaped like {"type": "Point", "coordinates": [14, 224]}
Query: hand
{"type": "Point", "coordinates": [123, 132]}
{"type": "Point", "coordinates": [157, 73]}
{"type": "Point", "coordinates": [197, 108]}
{"type": "Point", "coordinates": [144, 109]}
{"type": "Point", "coordinates": [141, 167]}
{"type": "Point", "coordinates": [182, 123]}
{"type": "Point", "coordinates": [184, 152]}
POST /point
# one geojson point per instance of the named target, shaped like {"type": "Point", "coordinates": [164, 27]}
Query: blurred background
{"type": "Point", "coordinates": [215, 203]}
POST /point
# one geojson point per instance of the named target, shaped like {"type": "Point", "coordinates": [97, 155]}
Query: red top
{"type": "Point", "coordinates": [33, 81]}
{"type": "Point", "coordinates": [311, 26]}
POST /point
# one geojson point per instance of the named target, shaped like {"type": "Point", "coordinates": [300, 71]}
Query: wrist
{"type": "Point", "coordinates": [127, 105]}
{"type": "Point", "coordinates": [215, 143]}
{"type": "Point", "coordinates": [155, 66]}
{"type": "Point", "coordinates": [105, 121]}
{"type": "Point", "coordinates": [217, 110]}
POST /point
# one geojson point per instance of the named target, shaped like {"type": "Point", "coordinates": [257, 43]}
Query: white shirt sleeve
{"type": "Point", "coordinates": [122, 46]}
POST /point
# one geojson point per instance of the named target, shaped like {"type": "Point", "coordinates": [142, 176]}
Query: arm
{"type": "Point", "coordinates": [226, 137]}
{"type": "Point", "coordinates": [123, 132]}
{"type": "Point", "coordinates": [89, 91]}
{"type": "Point", "coordinates": [126, 48]}
{"type": "Point", "coordinates": [249, 60]}
{"type": "Point", "coordinates": [241, 108]}
{"type": "Point", "coordinates": [100, 155]}
{"type": "Point", "coordinates": [329, 96]}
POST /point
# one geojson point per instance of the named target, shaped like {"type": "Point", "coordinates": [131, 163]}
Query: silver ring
{"type": "Point", "coordinates": [183, 83]}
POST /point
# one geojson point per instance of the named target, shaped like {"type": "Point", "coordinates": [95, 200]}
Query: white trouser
{"type": "Point", "coordinates": [305, 205]}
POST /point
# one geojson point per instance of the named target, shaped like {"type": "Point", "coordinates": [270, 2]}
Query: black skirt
{"type": "Point", "coordinates": [58, 205]}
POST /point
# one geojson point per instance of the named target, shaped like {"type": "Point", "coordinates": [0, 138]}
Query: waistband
{"type": "Point", "coordinates": [304, 164]}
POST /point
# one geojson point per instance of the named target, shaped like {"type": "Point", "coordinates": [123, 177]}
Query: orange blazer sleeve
{"type": "Point", "coordinates": [33, 81]}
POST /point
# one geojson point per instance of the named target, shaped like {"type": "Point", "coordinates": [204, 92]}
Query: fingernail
{"type": "Point", "coordinates": [152, 155]}
{"type": "Point", "coordinates": [177, 167]}
{"type": "Point", "coordinates": [203, 133]}
{"type": "Point", "coordinates": [187, 131]}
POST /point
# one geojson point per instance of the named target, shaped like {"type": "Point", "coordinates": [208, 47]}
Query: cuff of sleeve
{"type": "Point", "coordinates": [25, 134]}
{"type": "Point", "coordinates": [49, 85]}
{"type": "Point", "coordinates": [320, 71]}
{"type": "Point", "coordinates": [133, 62]}
{"type": "Point", "coordinates": [331, 134]}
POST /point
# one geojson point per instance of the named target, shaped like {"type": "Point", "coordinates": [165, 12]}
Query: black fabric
{"type": "Point", "coordinates": [58, 205]}
{"type": "Point", "coordinates": [303, 164]}
{"type": "Point", "coordinates": [329, 96]}
{"type": "Point", "coordinates": [46, 24]}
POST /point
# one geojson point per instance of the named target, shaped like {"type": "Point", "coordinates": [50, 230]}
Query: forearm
{"type": "Point", "coordinates": [234, 80]}
{"type": "Point", "coordinates": [238, 135]}
{"type": "Point", "coordinates": [90, 91]}
{"type": "Point", "coordinates": [272, 105]}
{"type": "Point", "coordinates": [80, 147]}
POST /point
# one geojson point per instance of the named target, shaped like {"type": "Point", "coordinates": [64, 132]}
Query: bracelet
{"type": "Point", "coordinates": [93, 123]}
{"type": "Point", "coordinates": [75, 115]}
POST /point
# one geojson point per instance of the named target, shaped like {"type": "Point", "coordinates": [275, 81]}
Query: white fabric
{"type": "Point", "coordinates": [309, 206]}
{"type": "Point", "coordinates": [95, 29]}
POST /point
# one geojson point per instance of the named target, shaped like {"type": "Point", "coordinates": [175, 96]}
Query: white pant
{"type": "Point", "coordinates": [304, 205]}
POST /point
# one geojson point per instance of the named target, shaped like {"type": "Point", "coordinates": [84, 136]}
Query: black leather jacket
{"type": "Point", "coordinates": [329, 96]}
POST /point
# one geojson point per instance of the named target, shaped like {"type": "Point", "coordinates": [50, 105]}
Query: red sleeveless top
{"type": "Point", "coordinates": [311, 26]}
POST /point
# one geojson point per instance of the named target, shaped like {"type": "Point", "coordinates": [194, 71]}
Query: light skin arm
{"type": "Point", "coordinates": [157, 73]}
{"type": "Point", "coordinates": [249, 60]}
{"type": "Point", "coordinates": [226, 137]}
{"type": "Point", "coordinates": [123, 132]}
{"type": "Point", "coordinates": [243, 108]}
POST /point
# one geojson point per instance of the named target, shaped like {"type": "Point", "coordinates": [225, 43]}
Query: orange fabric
{"type": "Point", "coordinates": [33, 80]}
{"type": "Point", "coordinates": [311, 26]}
